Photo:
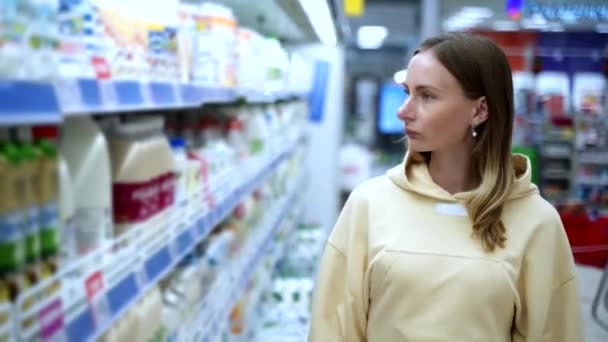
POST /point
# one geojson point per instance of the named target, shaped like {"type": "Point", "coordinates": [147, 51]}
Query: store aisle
{"type": "Point", "coordinates": [589, 279]}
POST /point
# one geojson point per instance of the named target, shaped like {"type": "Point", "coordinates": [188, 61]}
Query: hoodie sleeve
{"type": "Point", "coordinates": [549, 308]}
{"type": "Point", "coordinates": [341, 297]}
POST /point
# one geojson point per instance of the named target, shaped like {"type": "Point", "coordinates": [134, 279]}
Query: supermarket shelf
{"type": "Point", "coordinates": [592, 181]}
{"type": "Point", "coordinates": [187, 240]}
{"type": "Point", "coordinates": [282, 18]}
{"type": "Point", "coordinates": [554, 155]}
{"type": "Point", "coordinates": [230, 285]}
{"type": "Point", "coordinates": [557, 175]}
{"type": "Point", "coordinates": [252, 314]}
{"type": "Point", "coordinates": [17, 107]}
{"type": "Point", "coordinates": [72, 96]}
{"type": "Point", "coordinates": [133, 278]}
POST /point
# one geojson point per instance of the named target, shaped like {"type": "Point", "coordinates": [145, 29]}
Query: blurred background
{"type": "Point", "coordinates": [170, 170]}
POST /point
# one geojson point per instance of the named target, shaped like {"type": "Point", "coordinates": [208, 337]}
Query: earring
{"type": "Point", "coordinates": [473, 132]}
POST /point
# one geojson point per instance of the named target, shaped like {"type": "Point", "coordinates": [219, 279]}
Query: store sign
{"type": "Point", "coordinates": [354, 8]}
{"type": "Point", "coordinates": [565, 12]}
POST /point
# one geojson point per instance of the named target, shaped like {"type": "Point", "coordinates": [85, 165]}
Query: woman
{"type": "Point", "coordinates": [455, 244]}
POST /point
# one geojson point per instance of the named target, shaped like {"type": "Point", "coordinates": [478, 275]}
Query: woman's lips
{"type": "Point", "coordinates": [412, 134]}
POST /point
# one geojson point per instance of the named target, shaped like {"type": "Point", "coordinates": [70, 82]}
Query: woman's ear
{"type": "Point", "coordinates": [481, 111]}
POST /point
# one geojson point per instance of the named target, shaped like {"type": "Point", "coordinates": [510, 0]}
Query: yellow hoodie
{"type": "Point", "coordinates": [401, 265]}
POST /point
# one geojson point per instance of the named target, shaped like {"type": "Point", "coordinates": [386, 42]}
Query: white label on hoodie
{"type": "Point", "coordinates": [454, 209]}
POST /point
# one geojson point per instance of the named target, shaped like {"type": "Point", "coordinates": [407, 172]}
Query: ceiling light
{"type": "Point", "coordinates": [321, 20]}
{"type": "Point", "coordinates": [555, 27]}
{"type": "Point", "coordinates": [399, 76]}
{"type": "Point", "coordinates": [371, 37]}
{"type": "Point", "coordinates": [477, 12]}
{"type": "Point", "coordinates": [537, 21]}
{"type": "Point", "coordinates": [505, 25]}
{"type": "Point", "coordinates": [602, 28]}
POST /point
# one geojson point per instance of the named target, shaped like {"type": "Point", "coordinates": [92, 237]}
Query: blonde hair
{"type": "Point", "coordinates": [482, 69]}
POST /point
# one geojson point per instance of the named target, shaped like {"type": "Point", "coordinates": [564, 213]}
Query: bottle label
{"type": "Point", "coordinates": [12, 251]}
{"type": "Point", "coordinates": [137, 202]}
{"type": "Point", "coordinates": [49, 228]}
{"type": "Point", "coordinates": [32, 234]}
{"type": "Point", "coordinates": [92, 227]}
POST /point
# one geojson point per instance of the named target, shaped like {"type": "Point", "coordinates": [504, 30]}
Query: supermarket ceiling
{"type": "Point", "coordinates": [401, 19]}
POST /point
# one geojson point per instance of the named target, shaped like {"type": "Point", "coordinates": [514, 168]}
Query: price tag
{"type": "Point", "coordinates": [146, 93]}
{"type": "Point", "coordinates": [141, 277]}
{"type": "Point", "coordinates": [68, 92]}
{"type": "Point", "coordinates": [98, 301]}
{"type": "Point", "coordinates": [173, 251]}
{"type": "Point", "coordinates": [178, 93]}
{"type": "Point", "coordinates": [107, 92]}
{"type": "Point", "coordinates": [52, 323]}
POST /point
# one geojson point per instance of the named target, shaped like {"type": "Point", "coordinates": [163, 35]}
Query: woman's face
{"type": "Point", "coordinates": [437, 115]}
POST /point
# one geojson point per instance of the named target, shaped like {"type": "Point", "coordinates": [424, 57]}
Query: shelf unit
{"type": "Point", "coordinates": [210, 320]}
{"type": "Point", "coordinates": [80, 303]}
{"type": "Point", "coordinates": [67, 97]}
{"type": "Point", "coordinates": [127, 273]}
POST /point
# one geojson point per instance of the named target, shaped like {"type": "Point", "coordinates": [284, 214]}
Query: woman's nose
{"type": "Point", "coordinates": [406, 112]}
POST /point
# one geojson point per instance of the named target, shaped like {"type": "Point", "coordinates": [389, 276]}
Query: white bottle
{"type": "Point", "coordinates": [86, 151]}
{"type": "Point", "coordinates": [178, 145]}
{"type": "Point", "coordinates": [67, 209]}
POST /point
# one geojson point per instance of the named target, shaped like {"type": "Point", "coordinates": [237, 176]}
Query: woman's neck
{"type": "Point", "coordinates": [452, 170]}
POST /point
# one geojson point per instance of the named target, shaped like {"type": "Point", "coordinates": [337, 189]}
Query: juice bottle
{"type": "Point", "coordinates": [12, 188]}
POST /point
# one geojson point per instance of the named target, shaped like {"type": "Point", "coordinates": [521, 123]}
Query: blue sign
{"type": "Point", "coordinates": [317, 96]}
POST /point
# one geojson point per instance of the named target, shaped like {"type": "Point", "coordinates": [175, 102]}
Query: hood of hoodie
{"type": "Point", "coordinates": [414, 176]}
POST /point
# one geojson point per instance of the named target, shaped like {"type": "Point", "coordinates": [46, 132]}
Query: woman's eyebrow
{"type": "Point", "coordinates": [422, 87]}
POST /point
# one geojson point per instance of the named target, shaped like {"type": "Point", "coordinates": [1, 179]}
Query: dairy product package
{"type": "Point", "coordinates": [85, 150]}
{"type": "Point", "coordinates": [67, 209]}
{"type": "Point", "coordinates": [589, 91]}
{"type": "Point", "coordinates": [29, 39]}
{"type": "Point", "coordinates": [186, 41]}
{"type": "Point", "coordinates": [214, 56]}
{"type": "Point", "coordinates": [80, 49]}
{"type": "Point", "coordinates": [142, 172]}
{"type": "Point", "coordinates": [249, 59]}
{"type": "Point", "coordinates": [277, 65]}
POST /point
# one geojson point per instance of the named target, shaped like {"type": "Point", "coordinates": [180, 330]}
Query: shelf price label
{"type": "Point", "coordinates": [108, 94]}
{"type": "Point", "coordinates": [97, 299]}
{"type": "Point", "coordinates": [68, 92]}
{"type": "Point", "coordinates": [173, 248]}
{"type": "Point", "coordinates": [51, 319]}
{"type": "Point", "coordinates": [177, 90]}
{"type": "Point", "coordinates": [141, 277]}
{"type": "Point", "coordinates": [146, 93]}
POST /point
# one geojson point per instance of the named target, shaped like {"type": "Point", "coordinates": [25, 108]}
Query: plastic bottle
{"type": "Point", "coordinates": [178, 145]}
{"type": "Point", "coordinates": [142, 169]}
{"type": "Point", "coordinates": [67, 209]}
{"type": "Point", "coordinates": [236, 138]}
{"type": "Point", "coordinates": [48, 189]}
{"type": "Point", "coordinates": [12, 187]}
{"type": "Point", "coordinates": [31, 177]}
{"type": "Point", "coordinates": [86, 151]}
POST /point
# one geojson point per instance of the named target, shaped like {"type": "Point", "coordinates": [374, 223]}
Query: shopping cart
{"type": "Point", "coordinates": [588, 238]}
